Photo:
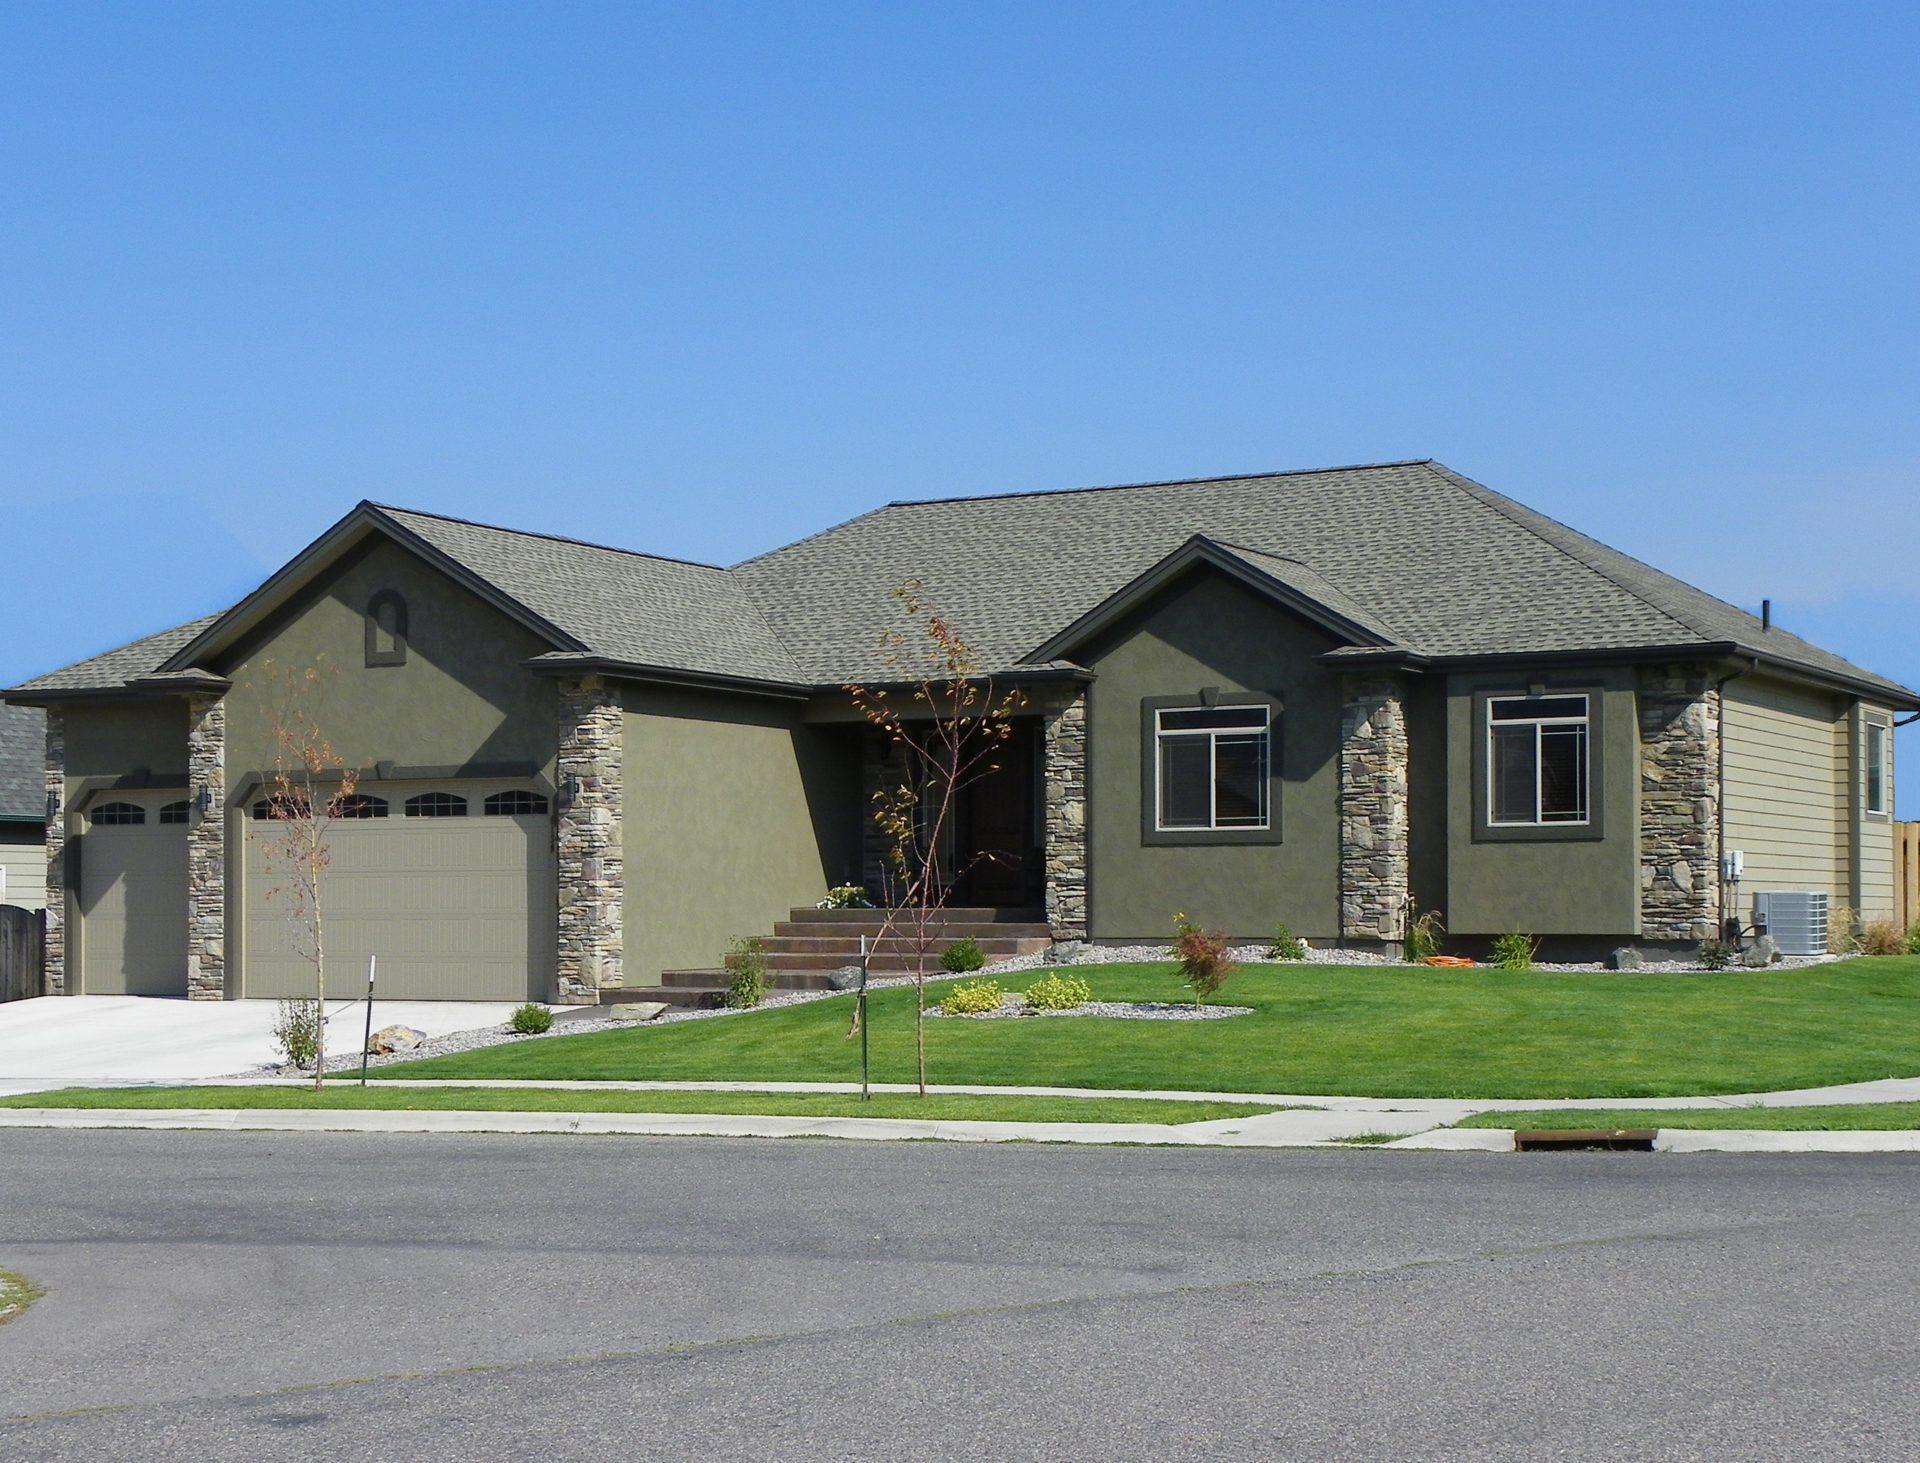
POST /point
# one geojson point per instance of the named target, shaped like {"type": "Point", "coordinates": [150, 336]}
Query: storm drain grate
{"type": "Point", "coordinates": [1613, 1140]}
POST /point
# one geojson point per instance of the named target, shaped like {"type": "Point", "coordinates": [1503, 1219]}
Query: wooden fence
{"type": "Point", "coordinates": [1906, 874]}
{"type": "Point", "coordinates": [23, 950]}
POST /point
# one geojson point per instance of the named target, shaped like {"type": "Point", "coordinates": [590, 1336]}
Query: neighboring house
{"type": "Point", "coordinates": [1326, 698]}
{"type": "Point", "coordinates": [23, 806]}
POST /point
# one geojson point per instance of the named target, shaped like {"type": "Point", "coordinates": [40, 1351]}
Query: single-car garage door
{"type": "Point", "coordinates": [450, 884]}
{"type": "Point", "coordinates": [133, 895]}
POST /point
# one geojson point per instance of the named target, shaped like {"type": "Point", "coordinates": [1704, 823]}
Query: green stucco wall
{"type": "Point", "coordinates": [734, 813]}
{"type": "Point", "coordinates": [1572, 887]}
{"type": "Point", "coordinates": [462, 699]}
{"type": "Point", "coordinates": [109, 740]}
{"type": "Point", "coordinates": [1208, 631]}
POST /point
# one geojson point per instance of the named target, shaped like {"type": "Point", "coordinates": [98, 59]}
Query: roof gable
{"type": "Point", "coordinates": [1280, 580]}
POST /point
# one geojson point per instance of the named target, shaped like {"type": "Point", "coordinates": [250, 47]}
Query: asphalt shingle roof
{"type": "Point", "coordinates": [23, 762]}
{"type": "Point", "coordinates": [1420, 557]}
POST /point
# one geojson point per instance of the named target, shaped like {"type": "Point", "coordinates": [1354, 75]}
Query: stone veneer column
{"type": "Point", "coordinates": [207, 849]}
{"type": "Point", "coordinates": [590, 864]}
{"type": "Point", "coordinates": [1679, 803]}
{"type": "Point", "coordinates": [1374, 880]}
{"type": "Point", "coordinates": [883, 767]}
{"type": "Point", "coordinates": [55, 979]}
{"type": "Point", "coordinates": [1065, 775]}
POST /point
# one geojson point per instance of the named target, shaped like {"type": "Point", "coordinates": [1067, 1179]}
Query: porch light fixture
{"type": "Point", "coordinates": [53, 805]}
{"type": "Point", "coordinates": [203, 801]}
{"type": "Point", "coordinates": [569, 790]}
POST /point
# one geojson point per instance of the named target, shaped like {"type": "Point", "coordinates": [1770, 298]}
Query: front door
{"type": "Point", "coordinates": [998, 835]}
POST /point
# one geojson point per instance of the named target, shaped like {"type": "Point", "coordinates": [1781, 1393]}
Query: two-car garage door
{"type": "Point", "coordinates": [450, 884]}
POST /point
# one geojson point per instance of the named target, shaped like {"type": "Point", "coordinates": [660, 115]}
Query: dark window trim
{"type": "Point", "coordinates": [380, 601]}
{"type": "Point", "coordinates": [1152, 835]}
{"type": "Point", "coordinates": [1594, 829]}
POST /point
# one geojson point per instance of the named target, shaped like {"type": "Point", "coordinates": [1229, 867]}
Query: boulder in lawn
{"type": "Point", "coordinates": [846, 978]}
{"type": "Point", "coordinates": [638, 1010]}
{"type": "Point", "coordinates": [390, 1039]}
{"type": "Point", "coordinates": [1627, 958]}
{"type": "Point", "coordinates": [1761, 953]}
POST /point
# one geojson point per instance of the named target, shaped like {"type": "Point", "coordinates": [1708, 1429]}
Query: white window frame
{"type": "Point", "coordinates": [1584, 720]}
{"type": "Point", "coordinates": [1162, 735]}
{"type": "Point", "coordinates": [1877, 731]}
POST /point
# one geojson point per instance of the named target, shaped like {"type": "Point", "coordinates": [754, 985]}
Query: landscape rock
{"type": "Point", "coordinates": [638, 1010]}
{"type": "Point", "coordinates": [390, 1039]}
{"type": "Point", "coordinates": [1067, 952]}
{"type": "Point", "coordinates": [1762, 952]}
{"type": "Point", "coordinates": [846, 978]}
{"type": "Point", "coordinates": [1626, 958]}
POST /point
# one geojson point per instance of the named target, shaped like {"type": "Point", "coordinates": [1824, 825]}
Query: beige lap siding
{"type": "Point", "coordinates": [1786, 787]}
{"type": "Point", "coordinates": [23, 865]}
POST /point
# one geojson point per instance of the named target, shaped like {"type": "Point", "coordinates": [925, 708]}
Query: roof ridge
{"type": "Point", "coordinates": [558, 538]}
{"type": "Point", "coordinates": [1227, 477]}
{"type": "Point", "coordinates": [1504, 506]}
{"type": "Point", "coordinates": [810, 537]}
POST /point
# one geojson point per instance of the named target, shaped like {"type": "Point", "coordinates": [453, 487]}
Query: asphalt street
{"type": "Point", "coordinates": [216, 1296]}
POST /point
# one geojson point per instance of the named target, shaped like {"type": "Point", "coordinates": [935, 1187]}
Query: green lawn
{"type": "Point", "coordinates": [1392, 1031]}
{"type": "Point", "coordinates": [1876, 1117]}
{"type": "Point", "coordinates": [769, 1104]}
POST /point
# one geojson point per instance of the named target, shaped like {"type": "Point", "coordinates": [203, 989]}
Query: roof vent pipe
{"type": "Point", "coordinates": [1766, 614]}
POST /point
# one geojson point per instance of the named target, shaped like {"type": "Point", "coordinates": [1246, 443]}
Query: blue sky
{"type": "Point", "coordinates": [700, 279]}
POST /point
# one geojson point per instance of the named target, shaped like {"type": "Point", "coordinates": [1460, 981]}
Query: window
{"type": "Point", "coordinates": [1537, 761]}
{"type": "Point", "coordinates": [515, 803]}
{"type": "Point", "coordinates": [1212, 767]}
{"type": "Point", "coordinates": [118, 815]}
{"type": "Point", "coordinates": [175, 812]}
{"type": "Point", "coordinates": [436, 805]}
{"type": "Point", "coordinates": [1876, 767]}
{"type": "Point", "coordinates": [387, 629]}
{"type": "Point", "coordinates": [357, 806]}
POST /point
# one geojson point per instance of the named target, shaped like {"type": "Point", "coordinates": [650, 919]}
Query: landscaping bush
{"type": "Point", "coordinates": [1714, 955]}
{"type": "Point", "coordinates": [1205, 960]}
{"type": "Point", "coordinates": [1882, 937]}
{"type": "Point", "coordinates": [1515, 951]}
{"type": "Point", "coordinates": [845, 896]}
{"type": "Point", "coordinates": [1843, 930]}
{"type": "Point", "coordinates": [962, 955]}
{"type": "Point", "coordinates": [746, 966]}
{"type": "Point", "coordinates": [1058, 993]}
{"type": "Point", "coordinates": [1423, 937]}
{"type": "Point", "coordinates": [296, 1031]}
{"type": "Point", "coordinates": [531, 1020]}
{"type": "Point", "coordinates": [972, 998]}
{"type": "Point", "coordinates": [1286, 946]}
{"type": "Point", "coordinates": [1913, 940]}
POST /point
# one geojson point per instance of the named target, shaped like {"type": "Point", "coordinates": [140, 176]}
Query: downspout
{"type": "Point", "coordinates": [1720, 692]}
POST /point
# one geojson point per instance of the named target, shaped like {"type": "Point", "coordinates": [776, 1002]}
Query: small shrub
{"type": "Point", "coordinates": [1423, 937]}
{"type": "Point", "coordinates": [1843, 930]}
{"type": "Point", "coordinates": [1514, 951]}
{"type": "Point", "coordinates": [845, 896]}
{"type": "Point", "coordinates": [972, 998]}
{"type": "Point", "coordinates": [296, 1031]}
{"type": "Point", "coordinates": [1205, 960]}
{"type": "Point", "coordinates": [962, 955]}
{"type": "Point", "coordinates": [1714, 955]}
{"type": "Point", "coordinates": [1882, 937]}
{"type": "Point", "coordinates": [531, 1020]}
{"type": "Point", "coordinates": [1058, 993]}
{"type": "Point", "coordinates": [1913, 940]}
{"type": "Point", "coordinates": [1286, 946]}
{"type": "Point", "coordinates": [746, 967]}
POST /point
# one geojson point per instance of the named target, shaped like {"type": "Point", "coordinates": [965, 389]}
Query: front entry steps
{"type": "Point", "coordinates": [810, 944]}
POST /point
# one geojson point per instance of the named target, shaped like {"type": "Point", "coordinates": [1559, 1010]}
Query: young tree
{"type": "Point", "coordinates": [309, 790]}
{"type": "Point", "coordinates": [948, 734]}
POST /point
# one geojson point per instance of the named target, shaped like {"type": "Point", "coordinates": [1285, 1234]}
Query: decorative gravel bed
{"type": "Point", "coordinates": [1016, 1006]}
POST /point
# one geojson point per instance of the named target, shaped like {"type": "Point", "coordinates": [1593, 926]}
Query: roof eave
{"type": "Point", "coordinates": [587, 664]}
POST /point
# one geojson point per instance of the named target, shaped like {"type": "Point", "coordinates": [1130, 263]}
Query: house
{"type": "Point", "coordinates": [1329, 698]}
{"type": "Point", "coordinates": [23, 804]}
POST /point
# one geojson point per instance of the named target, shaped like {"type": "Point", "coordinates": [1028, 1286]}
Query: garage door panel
{"type": "Point", "coordinates": [455, 908]}
{"type": "Point", "coordinates": [133, 909]}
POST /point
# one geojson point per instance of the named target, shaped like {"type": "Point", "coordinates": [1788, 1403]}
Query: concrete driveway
{"type": "Point", "coordinates": [56, 1041]}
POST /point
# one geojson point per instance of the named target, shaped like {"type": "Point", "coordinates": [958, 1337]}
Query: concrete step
{"type": "Point", "coordinates": [947, 930]}
{"type": "Point", "coordinates": [885, 963]}
{"type": "Point", "coordinates": [994, 947]}
{"type": "Point", "coordinates": [671, 995]}
{"type": "Point", "coordinates": [967, 914]}
{"type": "Point", "coordinates": [716, 980]}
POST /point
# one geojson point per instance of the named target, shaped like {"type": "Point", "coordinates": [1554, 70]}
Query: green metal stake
{"type": "Point", "coordinates": [865, 1096]}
